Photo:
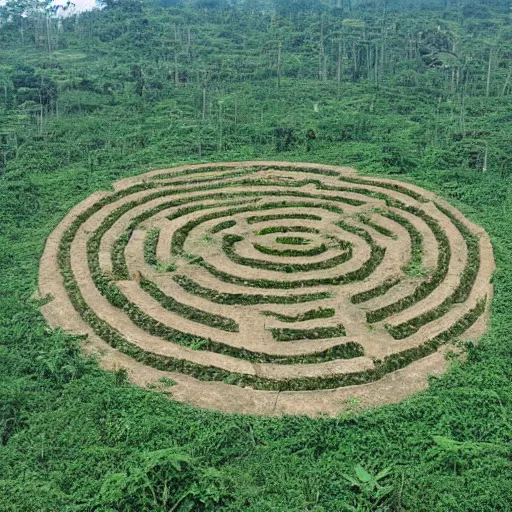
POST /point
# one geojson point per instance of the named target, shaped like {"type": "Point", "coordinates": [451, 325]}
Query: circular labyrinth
{"type": "Point", "coordinates": [269, 287]}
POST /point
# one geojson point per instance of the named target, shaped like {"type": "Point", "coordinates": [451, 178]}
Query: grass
{"type": "Point", "coordinates": [97, 433]}
{"type": "Point", "coordinates": [314, 251]}
{"type": "Point", "coordinates": [284, 216]}
{"type": "Point", "coordinates": [380, 229]}
{"type": "Point", "coordinates": [286, 229]}
{"type": "Point", "coordinates": [379, 290]}
{"type": "Point", "coordinates": [192, 287]}
{"type": "Point", "coordinates": [222, 226]}
{"type": "Point", "coordinates": [317, 333]}
{"type": "Point", "coordinates": [312, 314]}
{"type": "Point", "coordinates": [150, 246]}
{"type": "Point", "coordinates": [293, 240]}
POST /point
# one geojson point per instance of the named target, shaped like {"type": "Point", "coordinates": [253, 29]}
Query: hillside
{"type": "Point", "coordinates": [420, 92]}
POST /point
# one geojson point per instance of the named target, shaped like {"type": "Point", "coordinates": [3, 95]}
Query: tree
{"type": "Point", "coordinates": [20, 11]}
{"type": "Point", "coordinates": [133, 6]}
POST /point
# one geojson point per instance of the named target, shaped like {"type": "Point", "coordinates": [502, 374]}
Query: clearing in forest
{"type": "Point", "coordinates": [269, 287]}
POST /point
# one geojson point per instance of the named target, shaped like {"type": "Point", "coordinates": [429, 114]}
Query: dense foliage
{"type": "Point", "coordinates": [417, 89]}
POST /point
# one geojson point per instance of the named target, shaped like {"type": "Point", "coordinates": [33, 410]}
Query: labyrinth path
{"type": "Point", "coordinates": [269, 287]}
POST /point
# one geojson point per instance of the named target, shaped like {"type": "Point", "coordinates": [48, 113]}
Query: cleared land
{"type": "Point", "coordinates": [269, 287]}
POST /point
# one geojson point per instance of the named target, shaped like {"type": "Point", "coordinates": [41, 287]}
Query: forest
{"type": "Point", "coordinates": [415, 90]}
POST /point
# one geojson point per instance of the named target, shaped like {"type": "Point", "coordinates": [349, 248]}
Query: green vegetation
{"type": "Point", "coordinates": [419, 90]}
{"type": "Point", "coordinates": [228, 246]}
{"type": "Point", "coordinates": [263, 218]}
{"type": "Point", "coordinates": [314, 251]}
{"type": "Point", "coordinates": [413, 267]}
{"type": "Point", "coordinates": [150, 245]}
{"type": "Point", "coordinates": [219, 177]}
{"type": "Point", "coordinates": [244, 299]}
{"type": "Point", "coordinates": [223, 225]}
{"type": "Point", "coordinates": [186, 210]}
{"type": "Point", "coordinates": [312, 314]}
{"type": "Point", "coordinates": [119, 267]}
{"type": "Point", "coordinates": [194, 314]}
{"type": "Point", "coordinates": [317, 333]}
{"type": "Point", "coordinates": [286, 229]}
{"type": "Point", "coordinates": [380, 229]}
{"type": "Point", "coordinates": [427, 286]}
{"type": "Point", "coordinates": [181, 234]}
{"type": "Point", "coordinates": [461, 292]}
{"type": "Point", "coordinates": [293, 240]}
{"type": "Point", "coordinates": [383, 288]}
{"type": "Point", "coordinates": [375, 259]}
{"type": "Point", "coordinates": [390, 186]}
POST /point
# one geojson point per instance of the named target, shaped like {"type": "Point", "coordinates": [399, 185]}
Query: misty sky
{"type": "Point", "coordinates": [80, 5]}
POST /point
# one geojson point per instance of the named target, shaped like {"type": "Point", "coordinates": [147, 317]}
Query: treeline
{"type": "Point", "coordinates": [480, 8]}
{"type": "Point", "coordinates": [398, 89]}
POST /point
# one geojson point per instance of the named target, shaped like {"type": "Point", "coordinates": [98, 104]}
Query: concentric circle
{"type": "Point", "coordinates": [267, 287]}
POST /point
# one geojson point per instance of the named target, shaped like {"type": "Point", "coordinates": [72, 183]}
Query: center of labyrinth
{"type": "Point", "coordinates": [269, 287]}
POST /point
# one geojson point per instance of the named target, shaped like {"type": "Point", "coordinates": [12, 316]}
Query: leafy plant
{"type": "Point", "coordinates": [372, 492]}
